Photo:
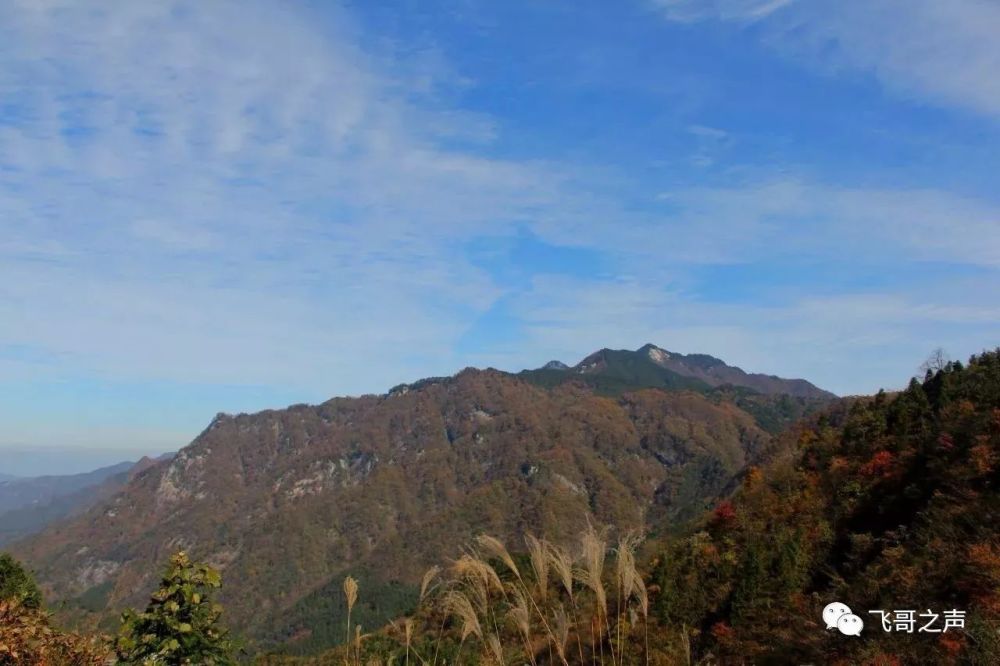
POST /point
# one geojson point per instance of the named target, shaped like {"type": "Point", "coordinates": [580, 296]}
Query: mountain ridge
{"type": "Point", "coordinates": [389, 484]}
{"type": "Point", "coordinates": [688, 370]}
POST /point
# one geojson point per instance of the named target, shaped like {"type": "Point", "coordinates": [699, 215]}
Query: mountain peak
{"type": "Point", "coordinates": [655, 354]}
{"type": "Point", "coordinates": [596, 362]}
{"type": "Point", "coordinates": [652, 366]}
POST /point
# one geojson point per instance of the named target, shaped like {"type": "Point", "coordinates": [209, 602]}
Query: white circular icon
{"type": "Point", "coordinates": [833, 612]}
{"type": "Point", "coordinates": [850, 625]}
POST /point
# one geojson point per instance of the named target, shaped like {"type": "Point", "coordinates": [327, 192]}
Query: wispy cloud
{"type": "Point", "coordinates": [787, 217]}
{"type": "Point", "coordinates": [198, 185]}
{"type": "Point", "coordinates": [729, 10]}
{"type": "Point", "coordinates": [945, 53]}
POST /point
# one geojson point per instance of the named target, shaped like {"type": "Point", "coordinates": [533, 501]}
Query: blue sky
{"type": "Point", "coordinates": [230, 206]}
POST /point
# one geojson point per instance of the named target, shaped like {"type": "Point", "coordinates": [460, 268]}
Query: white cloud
{"type": "Point", "coordinates": [172, 235]}
{"type": "Point", "coordinates": [729, 10]}
{"type": "Point", "coordinates": [944, 52]}
{"type": "Point", "coordinates": [785, 217]}
{"type": "Point", "coordinates": [704, 132]}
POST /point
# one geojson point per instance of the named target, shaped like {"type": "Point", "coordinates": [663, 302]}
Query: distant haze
{"type": "Point", "coordinates": [42, 461]}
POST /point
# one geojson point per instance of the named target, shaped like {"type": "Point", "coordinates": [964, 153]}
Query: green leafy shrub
{"type": "Point", "coordinates": [181, 623]}
{"type": "Point", "coordinates": [16, 584]}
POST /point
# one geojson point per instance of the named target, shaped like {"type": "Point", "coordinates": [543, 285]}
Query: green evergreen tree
{"type": "Point", "coordinates": [180, 625]}
{"type": "Point", "coordinates": [16, 584]}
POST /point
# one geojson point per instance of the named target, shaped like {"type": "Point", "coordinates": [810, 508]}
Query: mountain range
{"type": "Point", "coordinates": [28, 504]}
{"type": "Point", "coordinates": [382, 486]}
{"type": "Point", "coordinates": [21, 492]}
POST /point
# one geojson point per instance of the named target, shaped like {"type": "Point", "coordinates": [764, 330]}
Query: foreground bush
{"type": "Point", "coordinates": [26, 634]}
{"type": "Point", "coordinates": [180, 625]}
{"type": "Point", "coordinates": [17, 584]}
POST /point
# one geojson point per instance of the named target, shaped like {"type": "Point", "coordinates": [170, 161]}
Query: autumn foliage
{"type": "Point", "coordinates": [27, 637]}
{"type": "Point", "coordinates": [888, 502]}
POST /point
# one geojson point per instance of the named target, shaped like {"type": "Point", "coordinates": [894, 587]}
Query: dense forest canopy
{"type": "Point", "coordinates": [889, 502]}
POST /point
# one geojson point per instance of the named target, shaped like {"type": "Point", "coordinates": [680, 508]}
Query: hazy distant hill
{"type": "Point", "coordinates": [21, 492]}
{"type": "Point", "coordinates": [40, 501]}
{"type": "Point", "coordinates": [383, 486]}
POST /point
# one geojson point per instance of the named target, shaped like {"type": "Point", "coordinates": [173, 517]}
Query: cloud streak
{"type": "Point", "coordinates": [727, 10]}
{"type": "Point", "coordinates": [945, 53]}
{"type": "Point", "coordinates": [785, 217]}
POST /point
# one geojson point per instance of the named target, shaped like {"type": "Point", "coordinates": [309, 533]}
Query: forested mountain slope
{"type": "Point", "coordinates": [287, 502]}
{"type": "Point", "coordinates": [887, 503]}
